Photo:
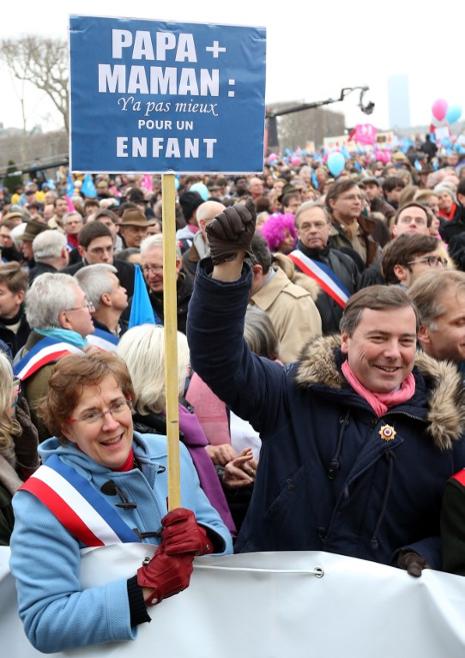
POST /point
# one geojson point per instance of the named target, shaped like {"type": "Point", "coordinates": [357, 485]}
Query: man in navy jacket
{"type": "Point", "coordinates": [359, 437]}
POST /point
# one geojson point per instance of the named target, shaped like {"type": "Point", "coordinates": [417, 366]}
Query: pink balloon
{"type": "Point", "coordinates": [296, 161]}
{"type": "Point", "coordinates": [439, 109]}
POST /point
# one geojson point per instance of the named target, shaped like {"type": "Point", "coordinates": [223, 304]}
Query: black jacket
{"type": "Point", "coordinates": [15, 341]}
{"type": "Point", "coordinates": [41, 268]}
{"type": "Point", "coordinates": [184, 292]}
{"type": "Point", "coordinates": [346, 271]}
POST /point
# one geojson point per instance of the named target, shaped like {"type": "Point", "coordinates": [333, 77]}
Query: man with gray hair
{"type": "Point", "coordinates": [151, 250]}
{"type": "Point", "coordinates": [50, 253]}
{"type": "Point", "coordinates": [108, 297]}
{"type": "Point", "coordinates": [59, 315]}
{"type": "Point", "coordinates": [440, 300]}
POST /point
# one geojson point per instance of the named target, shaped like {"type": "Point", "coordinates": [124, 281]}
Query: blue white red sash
{"type": "Point", "coordinates": [47, 350]}
{"type": "Point", "coordinates": [79, 507]}
{"type": "Point", "coordinates": [323, 275]}
{"type": "Point", "coordinates": [103, 339]}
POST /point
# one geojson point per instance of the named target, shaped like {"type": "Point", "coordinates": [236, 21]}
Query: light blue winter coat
{"type": "Point", "coordinates": [45, 559]}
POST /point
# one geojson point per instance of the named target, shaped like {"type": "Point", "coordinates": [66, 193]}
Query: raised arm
{"type": "Point", "coordinates": [251, 386]}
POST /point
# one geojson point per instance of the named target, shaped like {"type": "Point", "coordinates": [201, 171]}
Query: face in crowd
{"type": "Point", "coordinates": [411, 220]}
{"type": "Point", "coordinates": [445, 338]}
{"type": "Point", "coordinates": [313, 228]}
{"type": "Point", "coordinates": [381, 350]}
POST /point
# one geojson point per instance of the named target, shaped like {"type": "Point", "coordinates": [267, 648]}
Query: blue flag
{"type": "Point", "coordinates": [141, 308]}
{"type": "Point", "coordinates": [69, 186]}
{"type": "Point", "coordinates": [88, 187]}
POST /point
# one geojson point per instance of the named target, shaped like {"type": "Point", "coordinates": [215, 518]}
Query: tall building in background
{"type": "Point", "coordinates": [399, 101]}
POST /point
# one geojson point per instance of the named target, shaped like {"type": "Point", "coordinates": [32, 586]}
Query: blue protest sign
{"type": "Point", "coordinates": [154, 96]}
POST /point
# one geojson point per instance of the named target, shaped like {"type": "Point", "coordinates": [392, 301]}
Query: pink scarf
{"type": "Point", "coordinates": [380, 402]}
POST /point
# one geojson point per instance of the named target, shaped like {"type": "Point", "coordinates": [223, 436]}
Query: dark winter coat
{"type": "Point", "coordinates": [327, 480]}
{"type": "Point", "coordinates": [346, 271]}
{"type": "Point", "coordinates": [184, 292]}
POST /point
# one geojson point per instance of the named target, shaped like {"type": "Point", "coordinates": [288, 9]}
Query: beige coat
{"type": "Point", "coordinates": [292, 312]}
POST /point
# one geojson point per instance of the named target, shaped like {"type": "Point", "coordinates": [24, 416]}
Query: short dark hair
{"type": "Point", "coordinates": [91, 231]}
{"type": "Point", "coordinates": [135, 195]}
{"type": "Point", "coordinates": [261, 253]}
{"type": "Point", "coordinates": [401, 251]}
{"type": "Point", "coordinates": [391, 182]}
{"type": "Point", "coordinates": [286, 198]}
{"type": "Point", "coordinates": [414, 204]}
{"type": "Point", "coordinates": [338, 188]}
{"type": "Point", "coordinates": [91, 203]}
{"type": "Point", "coordinates": [106, 212]}
{"type": "Point", "coordinates": [376, 298]}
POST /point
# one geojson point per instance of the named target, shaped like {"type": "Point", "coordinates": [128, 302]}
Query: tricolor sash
{"type": "Point", "coordinates": [323, 275]}
{"type": "Point", "coordinates": [79, 507]}
{"type": "Point", "coordinates": [103, 339]}
{"type": "Point", "coordinates": [47, 350]}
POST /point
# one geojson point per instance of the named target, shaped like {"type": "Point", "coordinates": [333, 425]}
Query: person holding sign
{"type": "Point", "coordinates": [359, 437]}
{"type": "Point", "coordinates": [101, 484]}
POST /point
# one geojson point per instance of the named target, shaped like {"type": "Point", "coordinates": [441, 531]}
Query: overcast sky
{"type": "Point", "coordinates": [313, 49]}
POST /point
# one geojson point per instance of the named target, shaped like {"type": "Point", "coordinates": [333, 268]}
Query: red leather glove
{"type": "Point", "coordinates": [182, 535]}
{"type": "Point", "coordinates": [165, 574]}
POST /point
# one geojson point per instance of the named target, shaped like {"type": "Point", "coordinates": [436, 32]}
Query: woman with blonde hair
{"type": "Point", "coordinates": [142, 348]}
{"type": "Point", "coordinates": [11, 432]}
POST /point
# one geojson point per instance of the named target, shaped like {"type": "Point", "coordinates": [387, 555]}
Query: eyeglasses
{"type": "Point", "coordinates": [152, 269]}
{"type": "Point", "coordinates": [93, 416]}
{"type": "Point", "coordinates": [431, 261]}
{"type": "Point", "coordinates": [87, 304]}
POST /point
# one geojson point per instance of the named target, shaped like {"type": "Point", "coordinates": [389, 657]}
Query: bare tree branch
{"type": "Point", "coordinates": [44, 63]}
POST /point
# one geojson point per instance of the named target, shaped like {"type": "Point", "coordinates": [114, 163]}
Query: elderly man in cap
{"type": "Point", "coordinates": [33, 228]}
{"type": "Point", "coordinates": [133, 227]}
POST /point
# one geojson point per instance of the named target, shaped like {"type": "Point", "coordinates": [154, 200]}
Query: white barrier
{"type": "Point", "coordinates": [275, 605]}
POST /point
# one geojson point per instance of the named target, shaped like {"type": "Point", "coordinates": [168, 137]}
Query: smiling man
{"type": "Point", "coordinates": [358, 437]}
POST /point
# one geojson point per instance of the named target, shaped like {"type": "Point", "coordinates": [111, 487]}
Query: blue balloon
{"type": "Point", "coordinates": [453, 113]}
{"type": "Point", "coordinates": [336, 163]}
{"type": "Point", "coordinates": [202, 189]}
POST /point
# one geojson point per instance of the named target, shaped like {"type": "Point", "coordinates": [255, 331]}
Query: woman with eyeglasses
{"type": "Point", "coordinates": [101, 483]}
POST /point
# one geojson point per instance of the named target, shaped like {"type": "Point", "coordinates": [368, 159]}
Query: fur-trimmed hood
{"type": "Point", "coordinates": [446, 397]}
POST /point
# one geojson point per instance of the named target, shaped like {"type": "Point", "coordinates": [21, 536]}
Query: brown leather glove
{"type": "Point", "coordinates": [165, 574]}
{"type": "Point", "coordinates": [231, 232]}
{"type": "Point", "coordinates": [413, 563]}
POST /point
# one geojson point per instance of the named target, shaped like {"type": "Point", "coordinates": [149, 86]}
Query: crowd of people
{"type": "Point", "coordinates": [321, 352]}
